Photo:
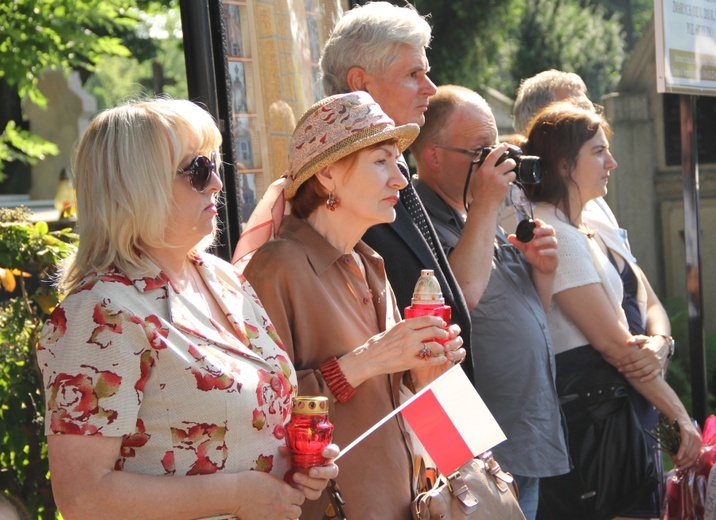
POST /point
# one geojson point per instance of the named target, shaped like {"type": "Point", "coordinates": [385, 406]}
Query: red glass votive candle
{"type": "Point", "coordinates": [308, 432]}
{"type": "Point", "coordinates": [428, 300]}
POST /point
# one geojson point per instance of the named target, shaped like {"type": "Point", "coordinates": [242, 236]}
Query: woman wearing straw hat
{"type": "Point", "coordinates": [328, 296]}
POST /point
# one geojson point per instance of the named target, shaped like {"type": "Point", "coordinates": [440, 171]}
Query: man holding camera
{"type": "Point", "coordinates": [506, 282]}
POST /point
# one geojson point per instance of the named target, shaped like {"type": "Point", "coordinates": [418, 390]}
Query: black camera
{"type": "Point", "coordinates": [528, 169]}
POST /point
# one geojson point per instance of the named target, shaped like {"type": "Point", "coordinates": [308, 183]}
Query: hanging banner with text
{"type": "Point", "coordinates": [685, 46]}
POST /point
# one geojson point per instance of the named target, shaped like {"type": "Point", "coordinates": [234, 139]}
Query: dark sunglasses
{"type": "Point", "coordinates": [200, 171]}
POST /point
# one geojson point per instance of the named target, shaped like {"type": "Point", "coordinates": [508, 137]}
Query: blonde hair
{"type": "Point", "coordinates": [124, 170]}
{"type": "Point", "coordinates": [367, 36]}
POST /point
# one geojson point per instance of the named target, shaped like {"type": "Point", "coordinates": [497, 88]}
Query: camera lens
{"type": "Point", "coordinates": [529, 169]}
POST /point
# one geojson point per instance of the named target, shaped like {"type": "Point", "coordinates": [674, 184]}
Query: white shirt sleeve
{"type": "Point", "coordinates": [575, 260]}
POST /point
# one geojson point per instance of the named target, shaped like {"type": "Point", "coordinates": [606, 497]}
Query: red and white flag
{"type": "Point", "coordinates": [450, 420]}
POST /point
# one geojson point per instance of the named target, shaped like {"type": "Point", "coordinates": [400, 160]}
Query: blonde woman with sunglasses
{"type": "Point", "coordinates": [167, 387]}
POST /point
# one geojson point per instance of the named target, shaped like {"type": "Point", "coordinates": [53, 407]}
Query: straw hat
{"type": "Point", "coordinates": [336, 127]}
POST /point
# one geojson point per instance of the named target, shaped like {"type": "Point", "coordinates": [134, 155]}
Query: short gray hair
{"type": "Point", "coordinates": [366, 37]}
{"type": "Point", "coordinates": [537, 92]}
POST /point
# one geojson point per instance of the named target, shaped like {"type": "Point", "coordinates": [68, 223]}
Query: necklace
{"type": "Point", "coordinates": [585, 230]}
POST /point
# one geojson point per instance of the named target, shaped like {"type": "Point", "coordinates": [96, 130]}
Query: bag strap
{"type": "Point", "coordinates": [504, 481]}
{"type": "Point", "coordinates": [336, 499]}
{"type": "Point", "coordinates": [460, 491]}
{"type": "Point", "coordinates": [427, 477]}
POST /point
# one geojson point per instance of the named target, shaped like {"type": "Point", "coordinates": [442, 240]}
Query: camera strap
{"type": "Point", "coordinates": [467, 186]}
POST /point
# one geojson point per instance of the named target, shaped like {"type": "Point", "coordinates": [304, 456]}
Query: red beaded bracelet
{"type": "Point", "coordinates": [336, 380]}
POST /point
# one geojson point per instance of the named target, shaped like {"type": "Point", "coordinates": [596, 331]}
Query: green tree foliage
{"type": "Point", "coordinates": [633, 16]}
{"type": "Point", "coordinates": [566, 36]}
{"type": "Point", "coordinates": [117, 78]}
{"type": "Point", "coordinates": [470, 40]}
{"type": "Point", "coordinates": [37, 35]}
{"type": "Point", "coordinates": [19, 144]}
{"type": "Point", "coordinates": [29, 253]}
{"type": "Point", "coordinates": [497, 43]}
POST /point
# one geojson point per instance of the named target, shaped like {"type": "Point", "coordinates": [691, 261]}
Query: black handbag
{"type": "Point", "coordinates": [613, 467]}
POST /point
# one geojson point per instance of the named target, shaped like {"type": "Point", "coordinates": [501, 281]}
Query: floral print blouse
{"type": "Point", "coordinates": [136, 359]}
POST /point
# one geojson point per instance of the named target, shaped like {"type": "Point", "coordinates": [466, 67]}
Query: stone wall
{"type": "Point", "coordinates": [67, 114]}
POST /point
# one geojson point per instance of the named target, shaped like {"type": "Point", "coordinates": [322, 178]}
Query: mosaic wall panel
{"type": "Point", "coordinates": [273, 51]}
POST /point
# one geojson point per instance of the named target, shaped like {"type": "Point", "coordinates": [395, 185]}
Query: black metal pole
{"type": "Point", "coordinates": [692, 237]}
{"type": "Point", "coordinates": [198, 53]}
{"type": "Point", "coordinates": [231, 229]}
{"type": "Point", "coordinates": [199, 34]}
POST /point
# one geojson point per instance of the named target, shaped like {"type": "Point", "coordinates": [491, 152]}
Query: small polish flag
{"type": "Point", "coordinates": [452, 421]}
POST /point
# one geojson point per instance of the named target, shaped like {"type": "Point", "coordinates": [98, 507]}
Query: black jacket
{"type": "Point", "coordinates": [406, 253]}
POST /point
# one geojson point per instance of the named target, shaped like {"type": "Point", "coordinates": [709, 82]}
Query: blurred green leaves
{"type": "Point", "coordinates": [36, 35]}
{"type": "Point", "coordinates": [29, 256]}
{"type": "Point", "coordinates": [497, 43]}
{"type": "Point", "coordinates": [17, 144]}
{"type": "Point", "coordinates": [41, 35]}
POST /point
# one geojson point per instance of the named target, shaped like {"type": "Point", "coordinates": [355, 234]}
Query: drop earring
{"type": "Point", "coordinates": [332, 202]}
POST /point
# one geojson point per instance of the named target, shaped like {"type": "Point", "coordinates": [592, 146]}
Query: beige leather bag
{"type": "Point", "coordinates": [479, 490]}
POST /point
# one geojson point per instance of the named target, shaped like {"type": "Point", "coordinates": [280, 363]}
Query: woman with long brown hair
{"type": "Point", "coordinates": [600, 298]}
